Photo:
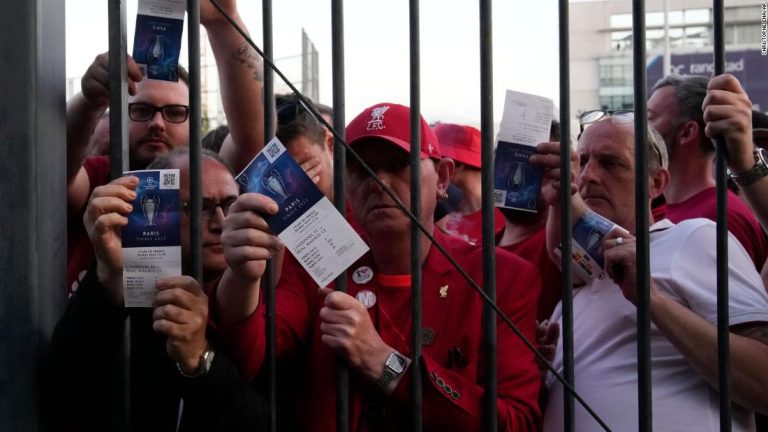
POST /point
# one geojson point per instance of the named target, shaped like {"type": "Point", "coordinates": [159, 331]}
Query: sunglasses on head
{"type": "Point", "coordinates": [618, 117]}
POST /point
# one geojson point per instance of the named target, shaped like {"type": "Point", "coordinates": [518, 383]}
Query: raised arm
{"type": "Point", "coordinates": [241, 79]}
{"type": "Point", "coordinates": [728, 112]}
{"type": "Point", "coordinates": [83, 113]}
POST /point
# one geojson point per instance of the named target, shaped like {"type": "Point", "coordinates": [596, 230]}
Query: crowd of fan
{"type": "Point", "coordinates": [197, 357]}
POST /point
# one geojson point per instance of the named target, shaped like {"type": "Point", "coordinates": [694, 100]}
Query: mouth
{"type": "Point", "coordinates": [154, 143]}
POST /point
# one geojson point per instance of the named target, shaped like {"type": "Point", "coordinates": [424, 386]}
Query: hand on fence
{"type": "Point", "coordinates": [728, 112]}
{"type": "Point", "coordinates": [106, 214]}
{"type": "Point", "coordinates": [181, 313]}
{"type": "Point", "coordinates": [547, 334]}
{"type": "Point", "coordinates": [347, 329]}
{"type": "Point", "coordinates": [95, 82]}
{"type": "Point", "coordinates": [246, 237]}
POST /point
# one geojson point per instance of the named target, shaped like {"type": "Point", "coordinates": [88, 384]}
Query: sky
{"type": "Point", "coordinates": [525, 52]}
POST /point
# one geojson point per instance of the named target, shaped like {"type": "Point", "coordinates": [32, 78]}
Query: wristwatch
{"type": "Point", "coordinates": [394, 366]}
{"type": "Point", "coordinates": [758, 170]}
{"type": "Point", "coordinates": [206, 360]}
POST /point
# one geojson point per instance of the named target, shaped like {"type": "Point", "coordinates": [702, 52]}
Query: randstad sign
{"type": "Point", "coordinates": [747, 65]}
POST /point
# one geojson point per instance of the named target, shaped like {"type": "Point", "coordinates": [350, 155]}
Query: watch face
{"type": "Point", "coordinates": [396, 362]}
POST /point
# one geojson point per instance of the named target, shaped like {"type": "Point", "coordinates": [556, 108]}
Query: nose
{"type": "Point", "coordinates": [590, 173]}
{"type": "Point", "coordinates": [216, 221]}
{"type": "Point", "coordinates": [157, 122]}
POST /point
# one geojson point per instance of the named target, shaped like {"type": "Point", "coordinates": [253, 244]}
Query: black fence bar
{"type": "Point", "coordinates": [269, 276]}
{"type": "Point", "coordinates": [643, 275]}
{"type": "Point", "coordinates": [566, 277]}
{"type": "Point", "coordinates": [416, 291]}
{"type": "Point", "coordinates": [339, 191]}
{"type": "Point", "coordinates": [195, 179]}
{"type": "Point", "coordinates": [490, 346]}
{"type": "Point", "coordinates": [723, 346]}
{"type": "Point", "coordinates": [118, 164]}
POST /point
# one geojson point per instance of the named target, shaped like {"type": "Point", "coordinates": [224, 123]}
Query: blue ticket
{"type": "Point", "coordinates": [157, 40]}
{"type": "Point", "coordinates": [151, 240]}
{"type": "Point", "coordinates": [588, 234]}
{"type": "Point", "coordinates": [307, 222]}
{"type": "Point", "coordinates": [516, 182]}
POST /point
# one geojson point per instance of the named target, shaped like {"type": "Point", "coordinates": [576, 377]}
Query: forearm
{"type": "Point", "coordinates": [696, 339]}
{"type": "Point", "coordinates": [756, 195]}
{"type": "Point", "coordinates": [237, 298]}
{"type": "Point", "coordinates": [82, 118]}
{"type": "Point", "coordinates": [241, 78]}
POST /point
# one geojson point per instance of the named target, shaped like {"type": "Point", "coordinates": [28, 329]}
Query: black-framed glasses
{"type": "Point", "coordinates": [619, 117]}
{"type": "Point", "coordinates": [210, 206]}
{"type": "Point", "coordinates": [142, 112]}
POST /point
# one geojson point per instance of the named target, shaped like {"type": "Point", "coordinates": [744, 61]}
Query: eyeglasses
{"type": "Point", "coordinates": [619, 117]}
{"type": "Point", "coordinates": [210, 206]}
{"type": "Point", "coordinates": [142, 112]}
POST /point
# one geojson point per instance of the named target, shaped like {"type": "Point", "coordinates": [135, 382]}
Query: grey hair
{"type": "Point", "coordinates": [690, 91]}
{"type": "Point", "coordinates": [166, 161]}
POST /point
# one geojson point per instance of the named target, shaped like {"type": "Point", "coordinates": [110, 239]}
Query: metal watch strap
{"type": "Point", "coordinates": [389, 374]}
{"type": "Point", "coordinates": [758, 170]}
{"type": "Point", "coordinates": [206, 360]}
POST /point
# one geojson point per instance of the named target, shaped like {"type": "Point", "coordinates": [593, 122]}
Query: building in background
{"type": "Point", "coordinates": [601, 48]}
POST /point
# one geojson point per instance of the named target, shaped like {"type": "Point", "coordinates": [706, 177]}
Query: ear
{"type": "Point", "coordinates": [657, 183]}
{"type": "Point", "coordinates": [444, 169]}
{"type": "Point", "coordinates": [329, 141]}
{"type": "Point", "coordinates": [689, 133]}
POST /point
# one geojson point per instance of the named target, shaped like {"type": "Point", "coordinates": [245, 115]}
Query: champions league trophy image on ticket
{"type": "Point", "coordinates": [274, 183]}
{"type": "Point", "coordinates": [517, 179]}
{"type": "Point", "coordinates": [150, 205]}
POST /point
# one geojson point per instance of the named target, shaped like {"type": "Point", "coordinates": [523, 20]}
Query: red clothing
{"type": "Point", "coordinates": [454, 320]}
{"type": "Point", "coordinates": [79, 248]}
{"type": "Point", "coordinates": [741, 222]}
{"type": "Point", "coordinates": [470, 227]}
{"type": "Point", "coordinates": [534, 250]}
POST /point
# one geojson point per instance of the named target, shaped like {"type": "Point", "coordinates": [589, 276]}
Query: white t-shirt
{"type": "Point", "coordinates": [605, 337]}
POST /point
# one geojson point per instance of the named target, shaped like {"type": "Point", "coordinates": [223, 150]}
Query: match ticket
{"type": "Point", "coordinates": [525, 124]}
{"type": "Point", "coordinates": [157, 40]}
{"type": "Point", "coordinates": [307, 223]}
{"type": "Point", "coordinates": [152, 238]}
{"type": "Point", "coordinates": [588, 234]}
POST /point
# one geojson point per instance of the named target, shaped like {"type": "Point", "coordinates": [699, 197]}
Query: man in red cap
{"type": "Point", "coordinates": [462, 144]}
{"type": "Point", "coordinates": [370, 326]}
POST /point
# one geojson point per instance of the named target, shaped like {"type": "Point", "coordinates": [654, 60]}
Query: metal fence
{"type": "Point", "coordinates": [25, 418]}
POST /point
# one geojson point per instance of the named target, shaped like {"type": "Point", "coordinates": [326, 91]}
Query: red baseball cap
{"type": "Point", "coordinates": [460, 143]}
{"type": "Point", "coordinates": [392, 122]}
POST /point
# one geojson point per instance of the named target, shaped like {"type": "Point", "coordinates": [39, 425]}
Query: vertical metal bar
{"type": "Point", "coordinates": [723, 350]}
{"type": "Point", "coordinates": [269, 276]}
{"type": "Point", "coordinates": [416, 292]}
{"type": "Point", "coordinates": [195, 180]}
{"type": "Point", "coordinates": [33, 190]}
{"type": "Point", "coordinates": [118, 90]}
{"type": "Point", "coordinates": [643, 275]}
{"type": "Point", "coordinates": [566, 277]}
{"type": "Point", "coordinates": [118, 164]}
{"type": "Point", "coordinates": [339, 191]}
{"type": "Point", "coordinates": [490, 346]}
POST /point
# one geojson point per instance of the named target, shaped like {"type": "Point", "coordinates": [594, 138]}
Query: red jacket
{"type": "Point", "coordinates": [452, 356]}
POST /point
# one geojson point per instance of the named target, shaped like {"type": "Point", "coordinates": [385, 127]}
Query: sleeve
{"type": "Point", "coordinates": [221, 400]}
{"type": "Point", "coordinates": [453, 402]}
{"type": "Point", "coordinates": [246, 341]}
{"type": "Point", "coordinates": [80, 370]}
{"type": "Point", "coordinates": [698, 289]}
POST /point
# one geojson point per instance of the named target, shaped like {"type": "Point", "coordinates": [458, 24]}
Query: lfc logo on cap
{"type": "Point", "coordinates": [377, 118]}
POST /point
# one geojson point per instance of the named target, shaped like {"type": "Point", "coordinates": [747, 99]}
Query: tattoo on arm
{"type": "Point", "coordinates": [758, 332]}
{"type": "Point", "coordinates": [248, 57]}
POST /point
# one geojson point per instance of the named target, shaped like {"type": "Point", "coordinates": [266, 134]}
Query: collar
{"type": "Point", "coordinates": [661, 225]}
